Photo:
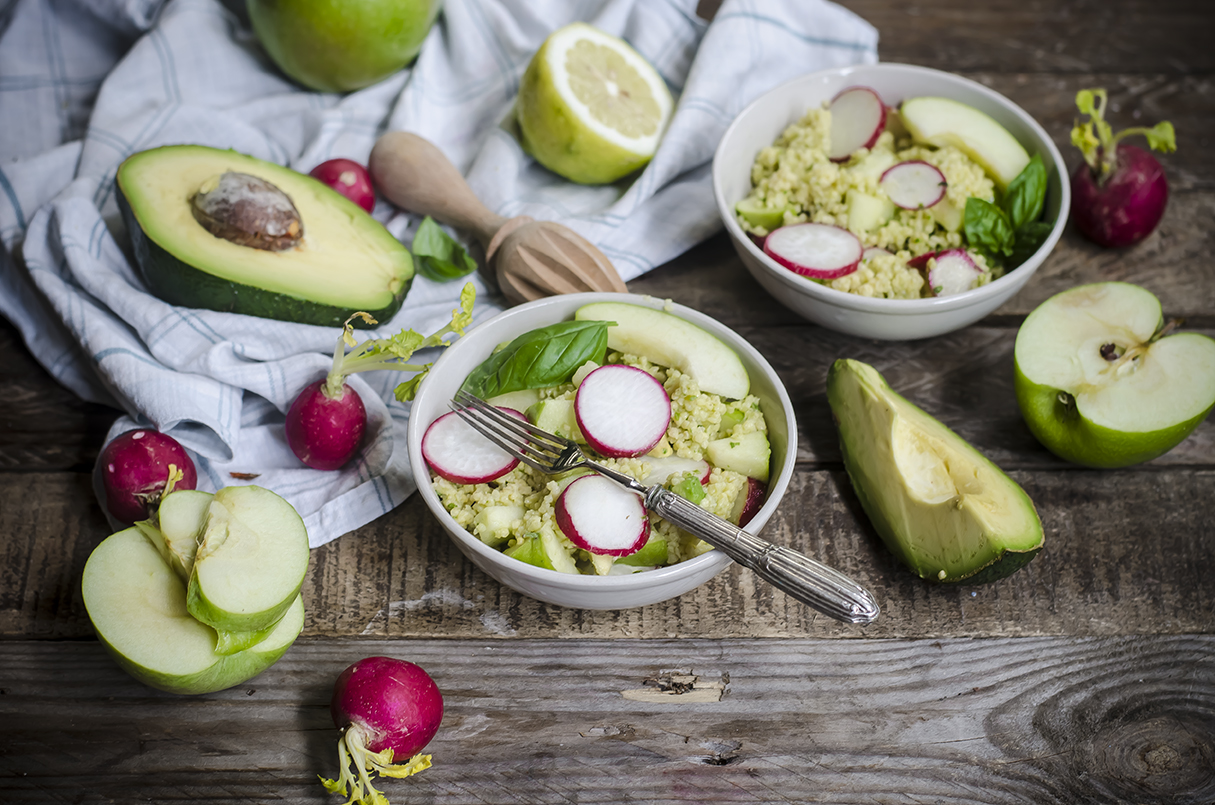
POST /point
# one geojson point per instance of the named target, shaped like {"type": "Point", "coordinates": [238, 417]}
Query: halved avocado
{"type": "Point", "coordinates": [345, 261]}
{"type": "Point", "coordinates": [940, 506]}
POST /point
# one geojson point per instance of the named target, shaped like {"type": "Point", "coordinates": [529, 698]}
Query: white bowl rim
{"type": "Point", "coordinates": [904, 307]}
{"type": "Point", "coordinates": [642, 579]}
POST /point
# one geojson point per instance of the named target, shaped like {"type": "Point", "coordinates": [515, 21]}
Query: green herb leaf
{"type": "Point", "coordinates": [1161, 137]}
{"type": "Point", "coordinates": [440, 257]}
{"type": "Point", "coordinates": [540, 358]}
{"type": "Point", "coordinates": [986, 227]}
{"type": "Point", "coordinates": [690, 488]}
{"type": "Point", "coordinates": [1029, 238]}
{"type": "Point", "coordinates": [1026, 194]}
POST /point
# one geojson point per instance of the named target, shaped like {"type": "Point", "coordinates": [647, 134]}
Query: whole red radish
{"type": "Point", "coordinates": [324, 428]}
{"type": "Point", "coordinates": [348, 178]}
{"type": "Point", "coordinates": [387, 709]}
{"type": "Point", "coordinates": [1119, 192]}
{"type": "Point", "coordinates": [138, 468]}
{"type": "Point", "coordinates": [326, 422]}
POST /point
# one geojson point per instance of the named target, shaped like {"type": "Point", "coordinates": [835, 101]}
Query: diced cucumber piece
{"type": "Point", "coordinates": [492, 524]}
{"type": "Point", "coordinates": [556, 417]}
{"type": "Point", "coordinates": [747, 453]}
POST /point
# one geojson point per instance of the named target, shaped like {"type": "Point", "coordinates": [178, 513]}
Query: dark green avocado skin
{"type": "Point", "coordinates": [184, 285]}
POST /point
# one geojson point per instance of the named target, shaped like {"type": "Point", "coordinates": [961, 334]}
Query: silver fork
{"type": "Point", "coordinates": [813, 583]}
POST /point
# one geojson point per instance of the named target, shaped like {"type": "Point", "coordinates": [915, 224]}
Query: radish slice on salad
{"type": "Point", "coordinates": [858, 118]}
{"type": "Point", "coordinates": [663, 467]}
{"type": "Point", "coordinates": [622, 411]}
{"type": "Point", "coordinates": [920, 261]}
{"type": "Point", "coordinates": [457, 452]}
{"type": "Point", "coordinates": [599, 516]}
{"type": "Point", "coordinates": [914, 185]}
{"type": "Point", "coordinates": [953, 273]}
{"type": "Point", "coordinates": [820, 251]}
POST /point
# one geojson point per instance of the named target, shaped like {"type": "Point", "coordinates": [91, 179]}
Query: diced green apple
{"type": "Point", "coordinates": [651, 554]}
{"type": "Point", "coordinates": [516, 400]}
{"type": "Point", "coordinates": [747, 454]}
{"type": "Point", "coordinates": [250, 562]}
{"type": "Point", "coordinates": [137, 605]}
{"type": "Point", "coordinates": [1100, 385]}
{"type": "Point", "coordinates": [756, 213]}
{"type": "Point", "coordinates": [556, 417]}
{"type": "Point", "coordinates": [867, 213]}
{"type": "Point", "coordinates": [944, 121]}
{"type": "Point", "coordinates": [671, 341]}
{"type": "Point", "coordinates": [543, 550]}
{"type": "Point", "coordinates": [492, 524]}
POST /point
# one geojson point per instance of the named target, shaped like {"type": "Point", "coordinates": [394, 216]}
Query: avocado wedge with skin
{"type": "Point", "coordinates": [940, 506]}
{"type": "Point", "coordinates": [338, 261]}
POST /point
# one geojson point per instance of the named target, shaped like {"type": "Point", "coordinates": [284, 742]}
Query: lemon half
{"type": "Point", "coordinates": [591, 108]}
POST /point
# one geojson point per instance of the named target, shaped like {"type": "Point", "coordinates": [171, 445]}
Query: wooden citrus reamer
{"type": "Point", "coordinates": [530, 259]}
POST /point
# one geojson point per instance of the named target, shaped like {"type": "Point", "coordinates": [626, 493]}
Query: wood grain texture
{"type": "Point", "coordinates": [1126, 553]}
{"type": "Point", "coordinates": [1032, 720]}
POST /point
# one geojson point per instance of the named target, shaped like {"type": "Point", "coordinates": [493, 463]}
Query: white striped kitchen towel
{"type": "Point", "coordinates": [86, 83]}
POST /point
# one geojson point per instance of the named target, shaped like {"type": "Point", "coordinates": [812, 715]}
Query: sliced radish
{"type": "Point", "coordinates": [750, 500]}
{"type": "Point", "coordinates": [858, 117]}
{"type": "Point", "coordinates": [914, 185]}
{"type": "Point", "coordinates": [875, 251]}
{"type": "Point", "coordinates": [622, 411]}
{"type": "Point", "coordinates": [602, 517]}
{"type": "Point", "coordinates": [953, 273]}
{"type": "Point", "coordinates": [821, 251]}
{"type": "Point", "coordinates": [663, 467]}
{"type": "Point", "coordinates": [457, 452]}
{"type": "Point", "coordinates": [921, 261]}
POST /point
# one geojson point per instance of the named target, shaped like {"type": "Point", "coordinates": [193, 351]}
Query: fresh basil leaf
{"type": "Point", "coordinates": [1026, 194]}
{"type": "Point", "coordinates": [1029, 238]}
{"type": "Point", "coordinates": [440, 257]}
{"type": "Point", "coordinates": [540, 358]}
{"type": "Point", "coordinates": [986, 227]}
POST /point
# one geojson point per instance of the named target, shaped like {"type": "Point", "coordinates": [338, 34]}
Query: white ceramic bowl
{"type": "Point", "coordinates": [592, 592]}
{"type": "Point", "coordinates": [759, 125]}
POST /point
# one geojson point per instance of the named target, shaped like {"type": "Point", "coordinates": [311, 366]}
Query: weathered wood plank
{"type": "Point", "coordinates": [1126, 553]}
{"type": "Point", "coordinates": [1057, 36]}
{"type": "Point", "coordinates": [1042, 720]}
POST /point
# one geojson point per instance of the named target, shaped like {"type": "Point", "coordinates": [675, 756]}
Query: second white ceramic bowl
{"type": "Point", "coordinates": [593, 592]}
{"type": "Point", "coordinates": [758, 126]}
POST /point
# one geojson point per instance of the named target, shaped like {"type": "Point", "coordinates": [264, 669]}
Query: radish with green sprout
{"type": "Point", "coordinates": [325, 424]}
{"type": "Point", "coordinates": [139, 468]}
{"type": "Point", "coordinates": [1119, 193]}
{"type": "Point", "coordinates": [387, 709]}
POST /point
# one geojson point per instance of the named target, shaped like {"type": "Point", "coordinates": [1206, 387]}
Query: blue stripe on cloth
{"type": "Point", "coordinates": [7, 187]}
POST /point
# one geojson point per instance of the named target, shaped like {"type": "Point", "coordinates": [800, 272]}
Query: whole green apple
{"type": "Point", "coordinates": [342, 45]}
{"type": "Point", "coordinates": [1102, 383]}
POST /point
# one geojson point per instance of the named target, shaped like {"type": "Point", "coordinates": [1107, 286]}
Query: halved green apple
{"type": "Point", "coordinates": [944, 121]}
{"type": "Point", "coordinates": [1101, 383]}
{"type": "Point", "coordinates": [137, 604]}
{"type": "Point", "coordinates": [940, 506]}
{"type": "Point", "coordinates": [671, 341]}
{"type": "Point", "coordinates": [250, 562]}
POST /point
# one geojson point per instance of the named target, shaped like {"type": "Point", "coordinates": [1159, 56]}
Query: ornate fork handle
{"type": "Point", "coordinates": [811, 582]}
{"type": "Point", "coordinates": [814, 584]}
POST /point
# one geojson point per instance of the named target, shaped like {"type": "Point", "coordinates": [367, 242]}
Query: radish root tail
{"type": "Point", "coordinates": [353, 751]}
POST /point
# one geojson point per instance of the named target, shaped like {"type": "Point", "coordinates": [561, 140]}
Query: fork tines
{"type": "Point", "coordinates": [537, 448]}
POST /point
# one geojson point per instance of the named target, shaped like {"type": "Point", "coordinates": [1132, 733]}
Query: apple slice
{"type": "Point", "coordinates": [1099, 381]}
{"type": "Point", "coordinates": [182, 517]}
{"type": "Point", "coordinates": [858, 118]}
{"type": "Point", "coordinates": [943, 121]}
{"type": "Point", "coordinates": [940, 506]}
{"type": "Point", "coordinates": [747, 454]}
{"type": "Point", "coordinates": [668, 340]}
{"type": "Point", "coordinates": [251, 560]}
{"type": "Point", "coordinates": [137, 605]}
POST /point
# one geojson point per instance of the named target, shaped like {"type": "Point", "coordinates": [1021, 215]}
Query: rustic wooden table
{"type": "Point", "coordinates": [1089, 676]}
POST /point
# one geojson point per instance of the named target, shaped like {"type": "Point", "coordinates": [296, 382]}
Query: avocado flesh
{"type": "Point", "coordinates": [940, 506]}
{"type": "Point", "coordinates": [345, 262]}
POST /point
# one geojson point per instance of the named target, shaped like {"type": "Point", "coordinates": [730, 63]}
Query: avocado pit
{"type": "Point", "coordinates": [248, 211]}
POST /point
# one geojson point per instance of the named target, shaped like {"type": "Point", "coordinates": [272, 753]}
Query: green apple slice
{"type": "Point", "coordinates": [543, 550]}
{"type": "Point", "coordinates": [941, 506]}
{"type": "Point", "coordinates": [137, 605]}
{"type": "Point", "coordinates": [943, 121]}
{"type": "Point", "coordinates": [747, 453]}
{"type": "Point", "coordinates": [181, 517]}
{"type": "Point", "coordinates": [1100, 384]}
{"type": "Point", "coordinates": [668, 340]}
{"type": "Point", "coordinates": [251, 560]}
